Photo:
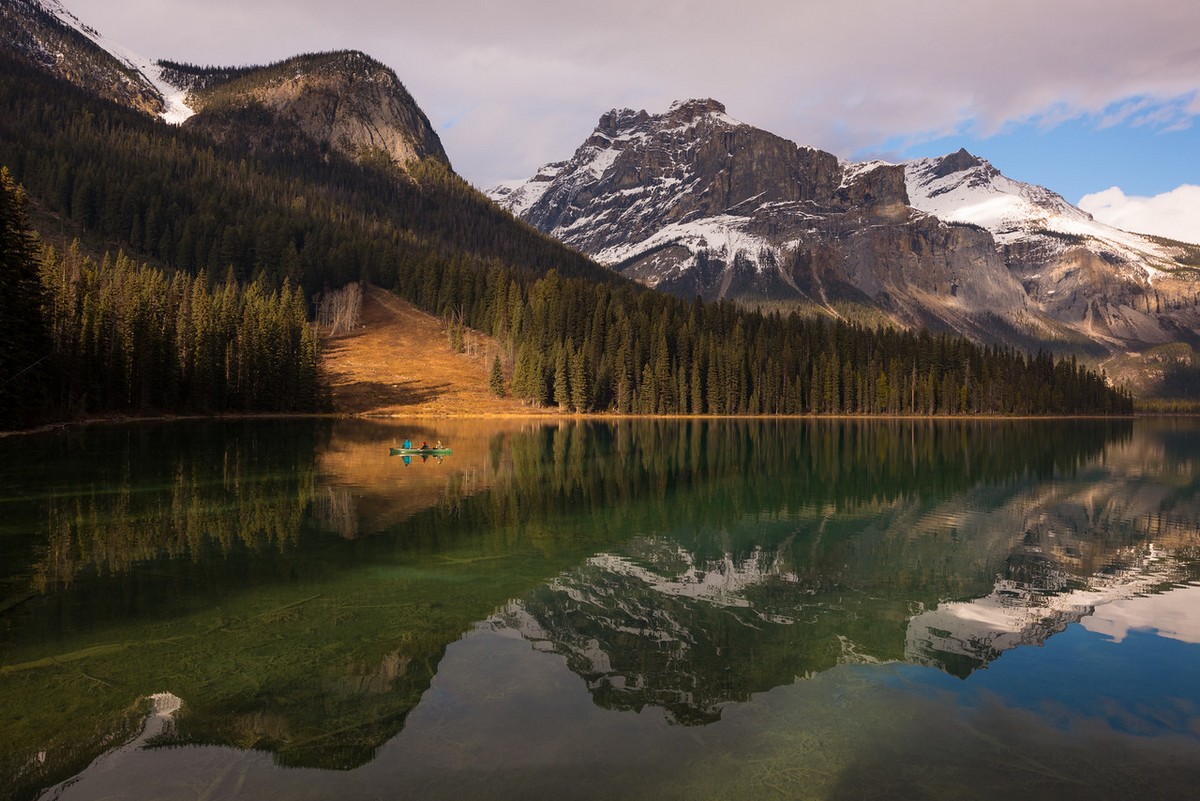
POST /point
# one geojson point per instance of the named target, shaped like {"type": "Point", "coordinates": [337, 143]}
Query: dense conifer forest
{"type": "Point", "coordinates": [249, 226]}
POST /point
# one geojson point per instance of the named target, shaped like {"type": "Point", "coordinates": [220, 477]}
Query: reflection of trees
{"type": "Point", "coordinates": [335, 509]}
{"type": "Point", "coordinates": [182, 500]}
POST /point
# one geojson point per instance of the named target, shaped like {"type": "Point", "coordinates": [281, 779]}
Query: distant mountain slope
{"type": "Point", "coordinates": [694, 202]}
{"type": "Point", "coordinates": [1122, 289]}
{"type": "Point", "coordinates": [45, 33]}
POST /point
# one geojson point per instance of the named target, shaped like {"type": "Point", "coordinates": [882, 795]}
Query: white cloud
{"type": "Point", "coordinates": [1174, 214]}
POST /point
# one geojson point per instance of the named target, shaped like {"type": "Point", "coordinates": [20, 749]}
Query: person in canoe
{"type": "Point", "coordinates": [407, 444]}
{"type": "Point", "coordinates": [438, 445]}
{"type": "Point", "coordinates": [424, 445]}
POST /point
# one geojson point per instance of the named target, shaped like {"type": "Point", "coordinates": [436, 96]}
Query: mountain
{"type": "Point", "coordinates": [45, 33]}
{"type": "Point", "coordinates": [1122, 289]}
{"type": "Point", "coordinates": [694, 202]}
{"type": "Point", "coordinates": [345, 101]}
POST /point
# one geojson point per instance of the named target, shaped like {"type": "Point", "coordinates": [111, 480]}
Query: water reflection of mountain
{"type": "Point", "coordinates": [298, 589]}
{"type": "Point", "coordinates": [681, 623]}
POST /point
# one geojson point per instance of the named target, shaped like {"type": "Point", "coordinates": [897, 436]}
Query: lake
{"type": "Point", "coordinates": [728, 609]}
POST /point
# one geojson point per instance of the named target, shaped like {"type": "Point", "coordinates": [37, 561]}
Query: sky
{"type": "Point", "coordinates": [1095, 99]}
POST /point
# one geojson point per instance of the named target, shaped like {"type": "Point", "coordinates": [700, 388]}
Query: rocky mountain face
{"type": "Point", "coordinates": [345, 102]}
{"type": "Point", "coordinates": [693, 202]}
{"type": "Point", "coordinates": [45, 33]}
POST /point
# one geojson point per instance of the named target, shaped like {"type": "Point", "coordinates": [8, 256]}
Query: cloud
{"type": "Point", "coordinates": [1174, 214]}
{"type": "Point", "coordinates": [526, 80]}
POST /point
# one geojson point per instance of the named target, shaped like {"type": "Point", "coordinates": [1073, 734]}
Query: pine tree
{"type": "Point", "coordinates": [581, 383]}
{"type": "Point", "coordinates": [496, 379]}
{"type": "Point", "coordinates": [562, 387]}
{"type": "Point", "coordinates": [24, 336]}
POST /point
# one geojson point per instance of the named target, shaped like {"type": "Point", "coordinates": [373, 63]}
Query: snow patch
{"type": "Point", "coordinates": [722, 236]}
{"type": "Point", "coordinates": [175, 107]}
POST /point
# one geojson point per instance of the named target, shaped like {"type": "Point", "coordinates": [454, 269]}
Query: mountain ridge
{"type": "Point", "coordinates": [341, 99]}
{"type": "Point", "coordinates": [47, 34]}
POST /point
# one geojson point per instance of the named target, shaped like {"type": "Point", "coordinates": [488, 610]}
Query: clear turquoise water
{"type": "Point", "coordinates": [725, 609]}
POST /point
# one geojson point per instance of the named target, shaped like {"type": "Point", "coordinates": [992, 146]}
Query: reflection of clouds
{"type": "Point", "coordinates": [1175, 615]}
{"type": "Point", "coordinates": [1014, 614]}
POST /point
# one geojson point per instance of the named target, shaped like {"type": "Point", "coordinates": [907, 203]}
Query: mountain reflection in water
{"type": "Point", "coordinates": [300, 591]}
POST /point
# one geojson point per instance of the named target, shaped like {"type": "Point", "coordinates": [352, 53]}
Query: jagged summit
{"type": "Point", "coordinates": [965, 188]}
{"type": "Point", "coordinates": [686, 112]}
{"type": "Point", "coordinates": [689, 110]}
{"type": "Point", "coordinates": [639, 172]}
{"type": "Point", "coordinates": [959, 161]}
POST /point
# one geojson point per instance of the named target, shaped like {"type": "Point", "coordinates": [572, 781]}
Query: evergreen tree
{"type": "Point", "coordinates": [24, 338]}
{"type": "Point", "coordinates": [496, 379]}
{"type": "Point", "coordinates": [562, 386]}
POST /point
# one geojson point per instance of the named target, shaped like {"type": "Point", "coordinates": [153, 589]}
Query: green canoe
{"type": "Point", "coordinates": [420, 451]}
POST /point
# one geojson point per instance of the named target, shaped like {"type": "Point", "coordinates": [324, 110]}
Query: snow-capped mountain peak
{"type": "Point", "coordinates": [964, 188]}
{"type": "Point", "coordinates": [694, 202]}
{"type": "Point", "coordinates": [961, 187]}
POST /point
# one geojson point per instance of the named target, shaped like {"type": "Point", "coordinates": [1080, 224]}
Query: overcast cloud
{"type": "Point", "coordinates": [512, 84]}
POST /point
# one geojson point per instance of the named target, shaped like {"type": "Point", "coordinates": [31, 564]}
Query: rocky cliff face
{"type": "Point", "coordinates": [693, 202]}
{"type": "Point", "coordinates": [344, 101]}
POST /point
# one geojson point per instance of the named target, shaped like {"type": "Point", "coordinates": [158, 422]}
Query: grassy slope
{"type": "Point", "coordinates": [399, 364]}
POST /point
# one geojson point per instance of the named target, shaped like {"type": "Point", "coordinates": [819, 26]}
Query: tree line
{"type": "Point", "coordinates": [587, 347]}
{"type": "Point", "coordinates": [128, 337]}
{"type": "Point", "coordinates": [82, 337]}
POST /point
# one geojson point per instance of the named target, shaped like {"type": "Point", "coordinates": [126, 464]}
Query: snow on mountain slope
{"type": "Point", "coordinates": [632, 186]}
{"type": "Point", "coordinates": [963, 188]}
{"type": "Point", "coordinates": [175, 108]}
{"type": "Point", "coordinates": [520, 196]}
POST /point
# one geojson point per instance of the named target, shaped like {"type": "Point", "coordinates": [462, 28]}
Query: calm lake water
{"type": "Point", "coordinates": [691, 610]}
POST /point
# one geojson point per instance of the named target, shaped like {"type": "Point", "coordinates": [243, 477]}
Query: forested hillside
{"type": "Point", "coordinates": [250, 208]}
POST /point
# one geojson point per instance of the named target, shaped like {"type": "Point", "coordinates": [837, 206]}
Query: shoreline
{"type": "Point", "coordinates": [548, 416]}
